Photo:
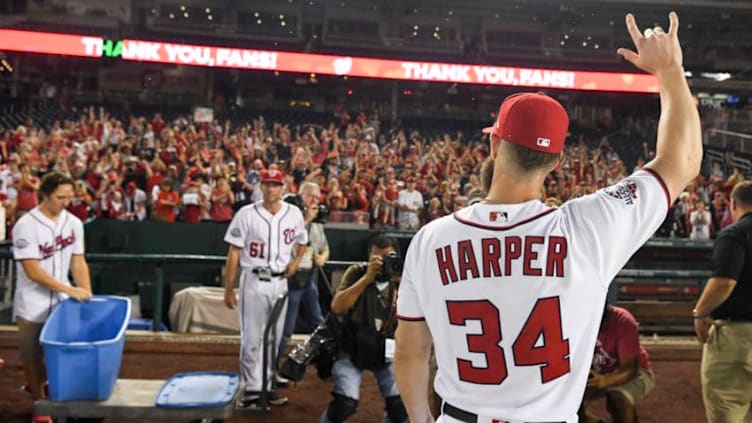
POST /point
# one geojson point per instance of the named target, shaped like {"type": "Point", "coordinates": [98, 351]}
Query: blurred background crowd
{"type": "Point", "coordinates": [169, 169]}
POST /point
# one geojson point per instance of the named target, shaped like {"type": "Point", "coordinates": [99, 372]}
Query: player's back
{"type": "Point", "coordinates": [513, 295]}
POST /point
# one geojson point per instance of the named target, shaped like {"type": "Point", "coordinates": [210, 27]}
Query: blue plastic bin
{"type": "Point", "coordinates": [83, 347]}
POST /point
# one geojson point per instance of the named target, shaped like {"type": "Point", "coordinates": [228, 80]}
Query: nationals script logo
{"type": "Point", "coordinates": [47, 249]}
{"type": "Point", "coordinates": [289, 235]}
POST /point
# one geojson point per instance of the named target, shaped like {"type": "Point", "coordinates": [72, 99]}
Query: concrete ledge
{"type": "Point", "coordinates": [673, 348]}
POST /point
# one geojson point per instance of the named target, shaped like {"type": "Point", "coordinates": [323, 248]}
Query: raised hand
{"type": "Point", "coordinates": [657, 51]}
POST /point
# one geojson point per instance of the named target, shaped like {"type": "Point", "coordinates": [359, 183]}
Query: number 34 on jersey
{"type": "Point", "coordinates": [539, 343]}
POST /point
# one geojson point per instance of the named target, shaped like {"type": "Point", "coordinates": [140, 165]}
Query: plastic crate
{"type": "Point", "coordinates": [198, 389]}
{"type": "Point", "coordinates": [83, 347]}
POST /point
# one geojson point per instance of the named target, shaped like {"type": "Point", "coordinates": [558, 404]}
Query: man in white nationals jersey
{"type": "Point", "coordinates": [262, 236]}
{"type": "Point", "coordinates": [47, 243]}
{"type": "Point", "coordinates": [511, 291]}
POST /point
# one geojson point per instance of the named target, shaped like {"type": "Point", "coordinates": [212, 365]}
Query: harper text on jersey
{"type": "Point", "coordinates": [538, 254]}
{"type": "Point", "coordinates": [47, 250]}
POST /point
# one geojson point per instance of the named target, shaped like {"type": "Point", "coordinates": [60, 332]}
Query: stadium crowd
{"type": "Point", "coordinates": [179, 170]}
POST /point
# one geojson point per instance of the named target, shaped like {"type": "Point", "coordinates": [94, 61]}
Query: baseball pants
{"type": "Point", "coordinates": [256, 301]}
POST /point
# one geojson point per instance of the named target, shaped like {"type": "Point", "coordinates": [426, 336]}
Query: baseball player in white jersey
{"type": "Point", "coordinates": [511, 291]}
{"type": "Point", "coordinates": [262, 236]}
{"type": "Point", "coordinates": [48, 242]}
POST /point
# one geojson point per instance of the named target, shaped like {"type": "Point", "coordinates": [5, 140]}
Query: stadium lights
{"type": "Point", "coordinates": [716, 76]}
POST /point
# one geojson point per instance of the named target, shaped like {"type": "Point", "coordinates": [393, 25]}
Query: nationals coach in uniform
{"type": "Point", "coordinates": [47, 243]}
{"type": "Point", "coordinates": [510, 291]}
{"type": "Point", "coordinates": [262, 236]}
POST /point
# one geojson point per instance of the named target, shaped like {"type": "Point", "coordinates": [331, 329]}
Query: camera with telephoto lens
{"type": "Point", "coordinates": [320, 348]}
{"type": "Point", "coordinates": [296, 200]}
{"type": "Point", "coordinates": [392, 266]}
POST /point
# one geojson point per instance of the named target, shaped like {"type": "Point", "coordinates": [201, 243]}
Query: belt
{"type": "Point", "coordinates": [462, 415]}
{"type": "Point", "coordinates": [265, 273]}
{"type": "Point", "coordinates": [733, 320]}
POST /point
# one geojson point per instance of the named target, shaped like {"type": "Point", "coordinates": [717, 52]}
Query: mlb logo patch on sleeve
{"type": "Point", "coordinates": [625, 190]}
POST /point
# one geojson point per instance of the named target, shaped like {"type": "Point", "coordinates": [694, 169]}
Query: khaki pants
{"type": "Point", "coordinates": [638, 387]}
{"type": "Point", "coordinates": [727, 372]}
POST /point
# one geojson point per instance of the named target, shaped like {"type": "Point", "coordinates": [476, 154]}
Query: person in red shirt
{"type": "Point", "coordinates": [434, 210]}
{"type": "Point", "coordinates": [390, 199]}
{"type": "Point", "coordinates": [222, 199]}
{"type": "Point", "coordinates": [358, 203]}
{"type": "Point", "coordinates": [167, 201]}
{"type": "Point", "coordinates": [621, 369]}
{"type": "Point", "coordinates": [80, 206]}
{"type": "Point", "coordinates": [27, 188]}
{"type": "Point", "coordinates": [193, 201]}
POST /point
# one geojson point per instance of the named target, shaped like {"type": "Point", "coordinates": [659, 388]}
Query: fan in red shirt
{"type": "Point", "coordinates": [193, 201]}
{"type": "Point", "coordinates": [222, 199]}
{"type": "Point", "coordinates": [80, 205]}
{"type": "Point", "coordinates": [167, 201]}
{"type": "Point", "coordinates": [27, 188]}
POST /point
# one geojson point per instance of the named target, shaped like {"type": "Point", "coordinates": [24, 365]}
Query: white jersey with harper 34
{"type": "Point", "coordinates": [510, 284]}
{"type": "Point", "coordinates": [52, 243]}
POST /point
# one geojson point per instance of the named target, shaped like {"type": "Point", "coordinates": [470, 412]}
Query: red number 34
{"type": "Point", "coordinates": [544, 321]}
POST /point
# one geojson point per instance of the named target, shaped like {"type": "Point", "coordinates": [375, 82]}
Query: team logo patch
{"type": "Point", "coordinates": [626, 191]}
{"type": "Point", "coordinates": [543, 142]}
{"type": "Point", "coordinates": [235, 232]}
{"type": "Point", "coordinates": [289, 235]}
{"type": "Point", "coordinates": [21, 244]}
{"type": "Point", "coordinates": [498, 216]}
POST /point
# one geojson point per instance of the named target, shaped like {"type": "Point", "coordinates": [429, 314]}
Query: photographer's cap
{"type": "Point", "coordinates": [532, 120]}
{"type": "Point", "coordinates": [272, 176]}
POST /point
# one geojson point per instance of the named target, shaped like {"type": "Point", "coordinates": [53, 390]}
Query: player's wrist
{"type": "Point", "coordinates": [698, 316]}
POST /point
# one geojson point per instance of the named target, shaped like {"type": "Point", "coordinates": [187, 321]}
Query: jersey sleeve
{"type": "Point", "coordinates": [408, 306]}
{"type": "Point", "coordinates": [607, 227]}
{"type": "Point", "coordinates": [236, 232]}
{"type": "Point", "coordinates": [25, 242]}
{"type": "Point", "coordinates": [78, 244]}
{"type": "Point", "coordinates": [301, 233]}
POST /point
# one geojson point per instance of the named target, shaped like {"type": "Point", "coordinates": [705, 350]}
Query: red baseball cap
{"type": "Point", "coordinates": [532, 120]}
{"type": "Point", "coordinates": [272, 175]}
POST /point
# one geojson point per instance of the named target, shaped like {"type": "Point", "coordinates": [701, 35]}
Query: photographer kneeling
{"type": "Point", "coordinates": [366, 299]}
